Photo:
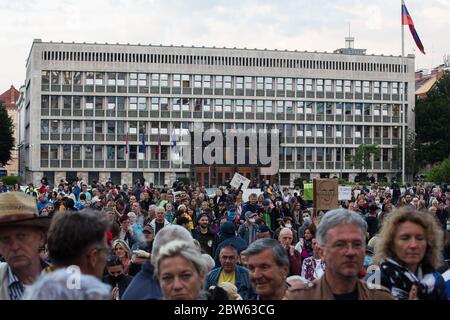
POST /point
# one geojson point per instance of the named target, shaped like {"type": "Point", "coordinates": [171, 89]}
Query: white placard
{"type": "Point", "coordinates": [238, 179]}
{"type": "Point", "coordinates": [133, 130]}
{"type": "Point", "coordinates": [248, 192]}
{"type": "Point", "coordinates": [345, 193]}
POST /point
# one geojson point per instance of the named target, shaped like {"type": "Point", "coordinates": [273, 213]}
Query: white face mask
{"type": "Point", "coordinates": [288, 225]}
{"type": "Point", "coordinates": [252, 220]}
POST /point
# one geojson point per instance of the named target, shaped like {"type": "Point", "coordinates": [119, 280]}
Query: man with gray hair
{"type": "Point", "coordinates": [144, 286]}
{"type": "Point", "coordinates": [341, 237]}
{"type": "Point", "coordinates": [160, 221]}
{"type": "Point", "coordinates": [269, 267]}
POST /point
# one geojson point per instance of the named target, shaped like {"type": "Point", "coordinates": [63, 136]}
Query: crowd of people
{"type": "Point", "coordinates": [178, 242]}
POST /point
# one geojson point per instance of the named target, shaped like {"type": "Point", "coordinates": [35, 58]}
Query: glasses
{"type": "Point", "coordinates": [344, 246]}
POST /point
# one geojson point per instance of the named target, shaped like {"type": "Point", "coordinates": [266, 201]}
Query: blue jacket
{"type": "Point", "coordinates": [243, 283]}
{"type": "Point", "coordinates": [143, 286]}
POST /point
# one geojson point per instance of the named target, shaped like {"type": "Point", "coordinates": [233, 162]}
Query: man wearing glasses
{"type": "Point", "coordinates": [341, 237]}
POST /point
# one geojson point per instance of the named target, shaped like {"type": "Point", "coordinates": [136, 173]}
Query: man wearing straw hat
{"type": "Point", "coordinates": [22, 233]}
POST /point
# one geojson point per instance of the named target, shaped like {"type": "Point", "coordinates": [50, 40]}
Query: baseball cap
{"type": "Point", "coordinates": [263, 228]}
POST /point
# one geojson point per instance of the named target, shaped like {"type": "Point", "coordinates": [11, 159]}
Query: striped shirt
{"type": "Point", "coordinates": [16, 288]}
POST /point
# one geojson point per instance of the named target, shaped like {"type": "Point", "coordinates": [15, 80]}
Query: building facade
{"type": "Point", "coordinates": [87, 108]}
{"type": "Point", "coordinates": [9, 98]}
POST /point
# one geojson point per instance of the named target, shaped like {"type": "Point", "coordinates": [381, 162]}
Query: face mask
{"type": "Point", "coordinates": [288, 225]}
{"type": "Point", "coordinates": [368, 261]}
{"type": "Point", "coordinates": [252, 220]}
{"type": "Point", "coordinates": [307, 219]}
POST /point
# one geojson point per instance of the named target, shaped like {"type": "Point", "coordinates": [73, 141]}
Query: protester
{"type": "Point", "coordinates": [341, 236]}
{"type": "Point", "coordinates": [22, 233]}
{"type": "Point", "coordinates": [409, 253]}
{"type": "Point", "coordinates": [269, 267]}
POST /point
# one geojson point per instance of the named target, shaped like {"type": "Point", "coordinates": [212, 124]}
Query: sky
{"type": "Point", "coordinates": [319, 25]}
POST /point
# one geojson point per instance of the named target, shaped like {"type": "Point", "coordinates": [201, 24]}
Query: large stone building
{"type": "Point", "coordinates": [8, 99]}
{"type": "Point", "coordinates": [81, 100]}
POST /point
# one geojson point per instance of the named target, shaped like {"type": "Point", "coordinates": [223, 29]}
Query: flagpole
{"type": "Point", "coordinates": [403, 97]}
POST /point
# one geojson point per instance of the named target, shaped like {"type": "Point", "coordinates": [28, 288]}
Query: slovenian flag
{"type": "Point", "coordinates": [407, 20]}
{"type": "Point", "coordinates": [142, 146]}
{"type": "Point", "coordinates": [174, 139]}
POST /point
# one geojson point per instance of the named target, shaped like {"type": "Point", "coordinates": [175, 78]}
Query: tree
{"type": "Point", "coordinates": [432, 120]}
{"type": "Point", "coordinates": [362, 158]}
{"type": "Point", "coordinates": [6, 136]}
{"type": "Point", "coordinates": [440, 173]}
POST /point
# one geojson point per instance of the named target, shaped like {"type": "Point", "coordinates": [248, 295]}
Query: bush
{"type": "Point", "coordinates": [185, 180]}
{"type": "Point", "coordinates": [10, 180]}
{"type": "Point", "coordinates": [440, 173]}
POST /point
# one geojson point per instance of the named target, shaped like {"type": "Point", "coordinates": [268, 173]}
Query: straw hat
{"type": "Point", "coordinates": [19, 209]}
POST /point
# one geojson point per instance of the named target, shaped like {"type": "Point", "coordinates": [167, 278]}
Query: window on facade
{"type": "Point", "coordinates": [227, 82]}
{"type": "Point", "coordinates": [339, 108]}
{"type": "Point", "coordinates": [239, 83]}
{"type": "Point", "coordinates": [259, 106]}
{"type": "Point", "coordinates": [67, 78]}
{"type": "Point", "coordinates": [300, 85]}
{"type": "Point", "coordinates": [309, 107]}
{"type": "Point", "coordinates": [377, 110]}
{"type": "Point", "coordinates": [88, 152]}
{"type": "Point", "coordinates": [358, 88]}
{"type": "Point", "coordinates": [280, 84]}
{"type": "Point", "coordinates": [309, 154]}
{"type": "Point", "coordinates": [339, 131]}
{"type": "Point", "coordinates": [164, 80]}
{"type": "Point", "coordinates": [300, 152]}
{"type": "Point", "coordinates": [55, 79]}
{"type": "Point", "coordinates": [227, 105]}
{"type": "Point", "coordinates": [347, 86]}
{"type": "Point", "coordinates": [328, 85]}
{"type": "Point", "coordinates": [99, 127]}
{"type": "Point", "coordinates": [142, 101]}
{"type": "Point", "coordinates": [54, 152]}
{"type": "Point", "coordinates": [309, 130]}
{"type": "Point", "coordinates": [142, 79]}
{"type": "Point", "coordinates": [155, 79]}
{"type": "Point", "coordinates": [348, 131]}
{"type": "Point", "coordinates": [76, 152]}
{"type": "Point", "coordinates": [300, 107]}
{"type": "Point", "coordinates": [339, 84]}
{"type": "Point", "coordinates": [319, 85]}
{"type": "Point", "coordinates": [320, 154]}
{"type": "Point", "coordinates": [110, 152]}
{"type": "Point", "coordinates": [44, 126]}
{"type": "Point", "coordinates": [280, 106]}
{"type": "Point", "coordinates": [218, 105]}
{"type": "Point", "coordinates": [288, 84]}
{"type": "Point", "coordinates": [89, 80]}
{"type": "Point", "coordinates": [239, 105]}
{"type": "Point", "coordinates": [260, 83]}
{"type": "Point", "coordinates": [185, 81]}
{"type": "Point", "coordinates": [268, 106]}
{"type": "Point", "coordinates": [309, 84]}
{"type": "Point", "coordinates": [366, 87]}
{"type": "Point", "coordinates": [111, 127]}
{"type": "Point", "coordinates": [384, 87]}
{"type": "Point", "coordinates": [377, 132]}
{"type": "Point", "coordinates": [289, 106]}
{"type": "Point", "coordinates": [358, 109]}
{"type": "Point", "coordinates": [248, 83]}
{"type": "Point", "coordinates": [98, 103]}
{"type": "Point", "coordinates": [376, 87]}
{"type": "Point", "coordinates": [133, 103]}
{"type": "Point", "coordinates": [319, 131]}
{"type": "Point", "coordinates": [268, 83]}
{"type": "Point", "coordinates": [329, 131]}
{"type": "Point", "coordinates": [367, 132]}
{"type": "Point", "coordinates": [176, 80]}
{"type": "Point", "coordinates": [248, 106]}
{"type": "Point", "coordinates": [206, 81]}
{"type": "Point", "coordinates": [111, 78]}
{"type": "Point", "coordinates": [197, 81]}
{"type": "Point", "coordinates": [394, 87]}
{"type": "Point", "coordinates": [320, 108]}
{"type": "Point", "coordinates": [121, 76]}
{"type": "Point", "coordinates": [133, 80]}
{"type": "Point", "coordinates": [218, 82]}
{"type": "Point", "coordinates": [348, 108]}
{"type": "Point", "coordinates": [133, 152]}
{"type": "Point", "coordinates": [120, 152]}
{"type": "Point", "coordinates": [45, 78]}
{"type": "Point", "coordinates": [54, 126]}
{"type": "Point", "coordinates": [99, 78]}
{"type": "Point", "coordinates": [67, 126]}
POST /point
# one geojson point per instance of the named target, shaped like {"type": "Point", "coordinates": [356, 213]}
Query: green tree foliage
{"type": "Point", "coordinates": [432, 124]}
{"type": "Point", "coordinates": [6, 136]}
{"type": "Point", "coordinates": [362, 158]}
{"type": "Point", "coordinates": [440, 173]}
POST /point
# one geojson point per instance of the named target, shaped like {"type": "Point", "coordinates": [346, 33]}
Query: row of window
{"type": "Point", "coordinates": [121, 79]}
{"type": "Point", "coordinates": [217, 105]}
{"type": "Point", "coordinates": [112, 127]}
{"type": "Point", "coordinates": [114, 152]}
{"type": "Point", "coordinates": [214, 60]}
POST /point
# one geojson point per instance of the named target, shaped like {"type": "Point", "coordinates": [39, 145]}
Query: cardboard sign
{"type": "Point", "coordinates": [326, 194]}
{"type": "Point", "coordinates": [345, 193]}
{"type": "Point", "coordinates": [308, 191]}
{"type": "Point", "coordinates": [239, 179]}
{"type": "Point", "coordinates": [248, 192]}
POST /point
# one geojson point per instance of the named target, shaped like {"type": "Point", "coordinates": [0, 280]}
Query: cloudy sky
{"type": "Point", "coordinates": [278, 24]}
